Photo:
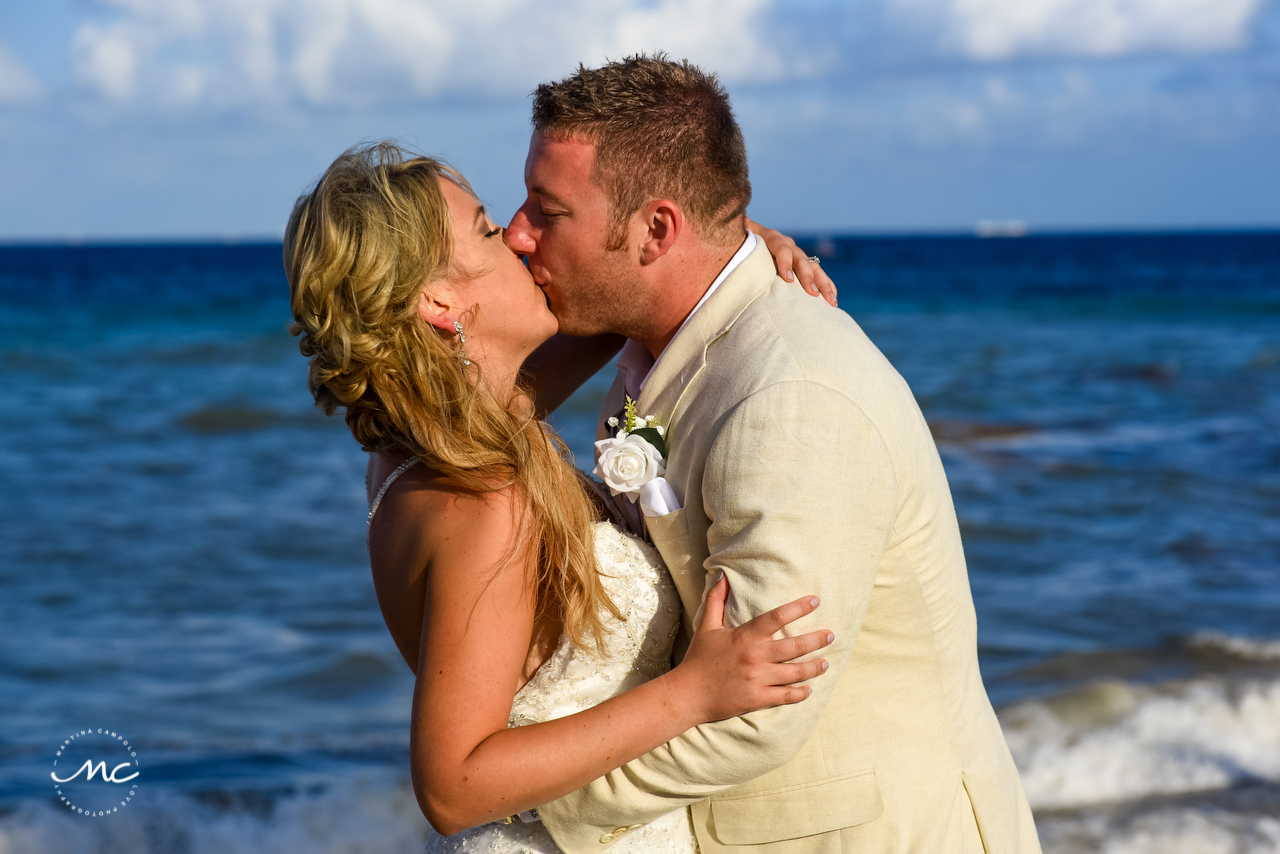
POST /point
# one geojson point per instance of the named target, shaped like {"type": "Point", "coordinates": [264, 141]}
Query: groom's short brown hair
{"type": "Point", "coordinates": [662, 129]}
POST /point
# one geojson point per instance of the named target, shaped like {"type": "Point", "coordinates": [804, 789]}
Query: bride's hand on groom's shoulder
{"type": "Point", "coordinates": [729, 672]}
{"type": "Point", "coordinates": [792, 263]}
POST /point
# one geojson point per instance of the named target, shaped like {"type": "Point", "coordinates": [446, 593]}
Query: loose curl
{"type": "Point", "coordinates": [359, 250]}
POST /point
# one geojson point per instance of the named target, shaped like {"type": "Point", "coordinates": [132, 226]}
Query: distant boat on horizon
{"type": "Point", "coordinates": [1000, 228]}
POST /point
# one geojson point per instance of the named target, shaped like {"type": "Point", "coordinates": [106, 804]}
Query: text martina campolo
{"type": "Point", "coordinates": [95, 771]}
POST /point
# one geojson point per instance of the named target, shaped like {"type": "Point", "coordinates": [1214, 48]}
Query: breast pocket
{"type": "Point", "coordinates": [665, 528]}
{"type": "Point", "coordinates": [683, 554]}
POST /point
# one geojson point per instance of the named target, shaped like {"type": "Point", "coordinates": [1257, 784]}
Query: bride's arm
{"type": "Point", "coordinates": [467, 766]}
{"type": "Point", "coordinates": [560, 366]}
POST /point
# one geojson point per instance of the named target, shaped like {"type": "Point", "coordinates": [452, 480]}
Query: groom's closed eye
{"type": "Point", "coordinates": [545, 197]}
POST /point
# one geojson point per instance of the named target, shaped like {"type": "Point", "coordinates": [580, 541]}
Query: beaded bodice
{"type": "Point", "coordinates": [637, 648]}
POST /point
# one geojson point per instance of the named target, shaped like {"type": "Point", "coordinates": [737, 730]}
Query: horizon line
{"type": "Point", "coordinates": [985, 230]}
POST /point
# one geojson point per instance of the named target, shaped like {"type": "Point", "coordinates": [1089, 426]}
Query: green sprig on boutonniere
{"type": "Point", "coordinates": [645, 427]}
{"type": "Point", "coordinates": [634, 458]}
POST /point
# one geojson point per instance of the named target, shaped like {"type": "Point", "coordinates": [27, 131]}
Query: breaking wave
{"type": "Point", "coordinates": [1190, 766]}
{"type": "Point", "coordinates": [372, 814]}
{"type": "Point", "coordinates": [1116, 741]}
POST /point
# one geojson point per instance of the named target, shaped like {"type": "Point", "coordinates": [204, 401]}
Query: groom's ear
{"type": "Point", "coordinates": [663, 221]}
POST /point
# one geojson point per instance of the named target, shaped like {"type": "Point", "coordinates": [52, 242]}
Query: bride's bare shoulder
{"type": "Point", "coordinates": [425, 515]}
{"type": "Point", "coordinates": [432, 542]}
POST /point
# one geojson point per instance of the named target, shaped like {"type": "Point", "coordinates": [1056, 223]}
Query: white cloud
{"type": "Point", "coordinates": [1003, 29]}
{"type": "Point", "coordinates": [17, 84]}
{"type": "Point", "coordinates": [234, 52]}
{"type": "Point", "coordinates": [107, 58]}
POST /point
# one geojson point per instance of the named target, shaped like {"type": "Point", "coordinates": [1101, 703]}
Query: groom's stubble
{"type": "Point", "coordinates": [563, 230]}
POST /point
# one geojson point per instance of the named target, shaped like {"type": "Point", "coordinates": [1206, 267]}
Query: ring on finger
{"type": "Point", "coordinates": [814, 259]}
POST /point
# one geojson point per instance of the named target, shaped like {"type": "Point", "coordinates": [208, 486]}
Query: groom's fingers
{"type": "Point", "coordinates": [791, 648]}
{"type": "Point", "coordinates": [770, 623]}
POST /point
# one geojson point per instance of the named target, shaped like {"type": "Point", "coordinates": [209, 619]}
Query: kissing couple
{"type": "Point", "coordinates": [756, 634]}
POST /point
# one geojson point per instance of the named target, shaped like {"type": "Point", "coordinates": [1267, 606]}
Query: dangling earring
{"type": "Point", "coordinates": [462, 342]}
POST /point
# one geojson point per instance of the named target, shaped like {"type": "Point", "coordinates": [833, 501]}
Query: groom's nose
{"type": "Point", "coordinates": [520, 234]}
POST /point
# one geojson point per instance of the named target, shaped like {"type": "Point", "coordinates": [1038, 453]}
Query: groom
{"type": "Point", "coordinates": [802, 465]}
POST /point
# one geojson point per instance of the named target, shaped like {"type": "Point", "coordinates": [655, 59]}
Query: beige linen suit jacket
{"type": "Point", "coordinates": [804, 466]}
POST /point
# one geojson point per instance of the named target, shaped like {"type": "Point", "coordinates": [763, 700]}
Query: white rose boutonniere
{"type": "Point", "coordinates": [633, 457]}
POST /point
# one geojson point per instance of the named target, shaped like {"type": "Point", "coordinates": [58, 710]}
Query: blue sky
{"type": "Point", "coordinates": [205, 118]}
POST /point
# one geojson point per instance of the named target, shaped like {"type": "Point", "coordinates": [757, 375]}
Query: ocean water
{"type": "Point", "coordinates": [182, 558]}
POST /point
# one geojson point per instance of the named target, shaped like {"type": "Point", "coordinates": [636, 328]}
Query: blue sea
{"type": "Point", "coordinates": [182, 560]}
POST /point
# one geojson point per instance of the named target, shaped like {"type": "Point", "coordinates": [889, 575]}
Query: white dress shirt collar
{"type": "Point", "coordinates": [636, 360]}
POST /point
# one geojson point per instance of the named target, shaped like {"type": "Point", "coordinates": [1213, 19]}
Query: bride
{"type": "Point", "coordinates": [540, 633]}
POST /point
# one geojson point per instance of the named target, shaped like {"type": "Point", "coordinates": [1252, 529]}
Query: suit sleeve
{"type": "Point", "coordinates": [801, 494]}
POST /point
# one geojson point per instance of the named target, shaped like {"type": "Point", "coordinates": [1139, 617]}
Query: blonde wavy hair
{"type": "Point", "coordinates": [359, 251]}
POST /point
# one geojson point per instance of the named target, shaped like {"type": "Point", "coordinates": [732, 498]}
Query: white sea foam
{"type": "Point", "coordinates": [1116, 742]}
{"type": "Point", "coordinates": [372, 814]}
{"type": "Point", "coordinates": [1165, 831]}
{"type": "Point", "coordinates": [1255, 650]}
{"type": "Point", "coordinates": [1080, 755]}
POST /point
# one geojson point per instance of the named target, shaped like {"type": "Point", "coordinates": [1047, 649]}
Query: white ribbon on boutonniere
{"type": "Point", "coordinates": [632, 462]}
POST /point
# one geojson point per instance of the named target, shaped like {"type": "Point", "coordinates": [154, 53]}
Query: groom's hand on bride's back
{"type": "Point", "coordinates": [729, 672]}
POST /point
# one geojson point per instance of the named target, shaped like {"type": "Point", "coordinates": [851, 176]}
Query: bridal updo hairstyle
{"type": "Point", "coordinates": [662, 130]}
{"type": "Point", "coordinates": [359, 251]}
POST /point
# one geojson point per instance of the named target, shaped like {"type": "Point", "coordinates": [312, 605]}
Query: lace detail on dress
{"type": "Point", "coordinates": [669, 834]}
{"type": "Point", "coordinates": [638, 648]}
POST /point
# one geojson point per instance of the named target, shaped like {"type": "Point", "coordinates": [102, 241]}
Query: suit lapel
{"type": "Point", "coordinates": [613, 402]}
{"type": "Point", "coordinates": [686, 355]}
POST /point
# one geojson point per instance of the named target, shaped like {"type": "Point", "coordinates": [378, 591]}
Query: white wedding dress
{"type": "Point", "coordinates": [638, 648]}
